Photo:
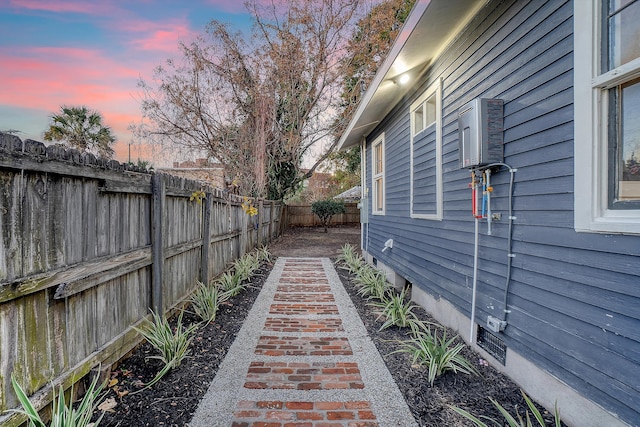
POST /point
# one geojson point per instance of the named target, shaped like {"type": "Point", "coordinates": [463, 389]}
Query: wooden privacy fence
{"type": "Point", "coordinates": [87, 247]}
{"type": "Point", "coordinates": [299, 215]}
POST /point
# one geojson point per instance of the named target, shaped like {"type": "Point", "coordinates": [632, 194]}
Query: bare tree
{"type": "Point", "coordinates": [371, 41]}
{"type": "Point", "coordinates": [369, 45]}
{"type": "Point", "coordinates": [257, 107]}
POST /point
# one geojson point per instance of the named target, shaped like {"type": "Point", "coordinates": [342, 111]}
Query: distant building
{"type": "Point", "coordinates": [317, 187]}
{"type": "Point", "coordinates": [203, 170]}
{"type": "Point", "coordinates": [351, 195]}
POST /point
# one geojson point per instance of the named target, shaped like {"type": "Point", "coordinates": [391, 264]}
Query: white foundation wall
{"type": "Point", "coordinates": [575, 410]}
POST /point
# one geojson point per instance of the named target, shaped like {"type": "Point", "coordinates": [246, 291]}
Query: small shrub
{"type": "Point", "coordinates": [398, 312]}
{"type": "Point", "coordinates": [206, 301]}
{"type": "Point", "coordinates": [437, 353]}
{"type": "Point", "coordinates": [62, 415]}
{"type": "Point", "coordinates": [512, 422]}
{"type": "Point", "coordinates": [325, 209]}
{"type": "Point", "coordinates": [172, 346]}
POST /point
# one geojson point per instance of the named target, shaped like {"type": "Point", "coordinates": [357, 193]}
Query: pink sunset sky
{"type": "Point", "coordinates": [66, 52]}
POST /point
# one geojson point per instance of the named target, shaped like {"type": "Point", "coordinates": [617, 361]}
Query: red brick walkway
{"type": "Point", "coordinates": [303, 290]}
{"type": "Point", "coordinates": [303, 359]}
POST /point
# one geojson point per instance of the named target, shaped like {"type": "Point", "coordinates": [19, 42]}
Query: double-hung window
{"type": "Point", "coordinates": [377, 175]}
{"type": "Point", "coordinates": [426, 154]}
{"type": "Point", "coordinates": [607, 115]}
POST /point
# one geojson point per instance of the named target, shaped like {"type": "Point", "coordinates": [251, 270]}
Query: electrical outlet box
{"type": "Point", "coordinates": [480, 132]}
{"type": "Point", "coordinates": [496, 325]}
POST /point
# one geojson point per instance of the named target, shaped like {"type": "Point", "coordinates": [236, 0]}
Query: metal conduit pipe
{"type": "Point", "coordinates": [488, 190]}
{"type": "Point", "coordinates": [510, 255]}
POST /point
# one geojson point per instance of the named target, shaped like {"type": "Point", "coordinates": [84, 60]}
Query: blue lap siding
{"type": "Point", "coordinates": [574, 298]}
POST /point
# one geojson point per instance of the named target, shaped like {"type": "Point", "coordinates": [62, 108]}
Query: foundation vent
{"type": "Point", "coordinates": [492, 344]}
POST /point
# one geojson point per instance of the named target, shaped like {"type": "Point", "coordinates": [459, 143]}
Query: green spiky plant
{"type": "Point", "coordinates": [244, 266]}
{"type": "Point", "coordinates": [206, 301]}
{"type": "Point", "coordinates": [231, 283]}
{"type": "Point", "coordinates": [510, 419]}
{"type": "Point", "coordinates": [173, 346]}
{"type": "Point", "coordinates": [263, 254]}
{"type": "Point", "coordinates": [398, 311]}
{"type": "Point", "coordinates": [371, 283]}
{"type": "Point", "coordinates": [349, 259]}
{"type": "Point", "coordinates": [63, 414]}
{"type": "Point", "coordinates": [439, 354]}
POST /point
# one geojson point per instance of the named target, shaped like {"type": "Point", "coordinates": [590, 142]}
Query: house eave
{"type": "Point", "coordinates": [430, 27]}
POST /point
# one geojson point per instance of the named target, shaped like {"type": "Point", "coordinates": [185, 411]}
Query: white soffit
{"type": "Point", "coordinates": [430, 28]}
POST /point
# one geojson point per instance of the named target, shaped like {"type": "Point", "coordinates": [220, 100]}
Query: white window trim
{"type": "Point", "coordinates": [374, 176]}
{"type": "Point", "coordinates": [591, 212]}
{"type": "Point", "coordinates": [437, 89]}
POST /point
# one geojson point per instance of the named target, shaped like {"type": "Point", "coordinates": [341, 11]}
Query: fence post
{"type": "Point", "coordinates": [260, 219]}
{"type": "Point", "coordinates": [206, 238]}
{"type": "Point", "coordinates": [157, 246]}
{"type": "Point", "coordinates": [245, 236]}
{"type": "Point", "coordinates": [271, 221]}
{"type": "Point", "coordinates": [283, 217]}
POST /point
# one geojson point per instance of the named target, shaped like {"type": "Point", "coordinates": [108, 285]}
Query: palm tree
{"type": "Point", "coordinates": [82, 129]}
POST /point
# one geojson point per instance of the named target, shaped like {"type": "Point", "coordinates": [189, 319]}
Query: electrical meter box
{"type": "Point", "coordinates": [364, 210]}
{"type": "Point", "coordinates": [480, 128]}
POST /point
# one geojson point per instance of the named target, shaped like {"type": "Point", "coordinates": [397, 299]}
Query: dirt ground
{"type": "Point", "coordinates": [314, 242]}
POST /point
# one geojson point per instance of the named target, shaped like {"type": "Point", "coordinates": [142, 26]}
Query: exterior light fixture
{"type": "Point", "coordinates": [400, 80]}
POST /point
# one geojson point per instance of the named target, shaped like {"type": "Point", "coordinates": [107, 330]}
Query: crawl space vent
{"type": "Point", "coordinates": [492, 344]}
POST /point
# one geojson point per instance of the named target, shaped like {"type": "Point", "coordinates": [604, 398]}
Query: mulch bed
{"type": "Point", "coordinates": [173, 400]}
{"type": "Point", "coordinates": [430, 405]}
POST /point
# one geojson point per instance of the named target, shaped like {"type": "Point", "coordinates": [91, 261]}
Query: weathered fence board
{"type": "Point", "coordinates": [300, 215]}
{"type": "Point", "coordinates": [76, 278]}
{"type": "Point", "coordinates": [10, 221]}
{"type": "Point", "coordinates": [83, 245]}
